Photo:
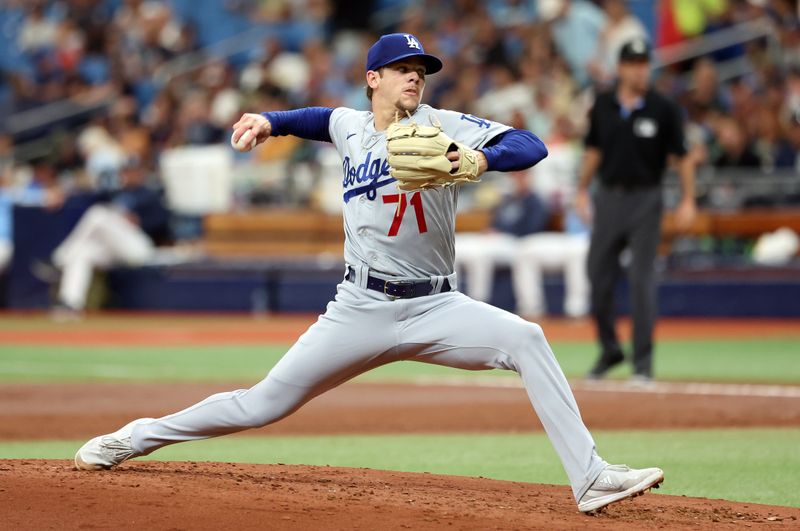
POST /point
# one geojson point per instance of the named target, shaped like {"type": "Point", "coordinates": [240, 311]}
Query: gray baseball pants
{"type": "Point", "coordinates": [363, 329]}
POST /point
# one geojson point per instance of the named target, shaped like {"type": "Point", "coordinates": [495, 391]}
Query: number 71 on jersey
{"type": "Point", "coordinates": [402, 204]}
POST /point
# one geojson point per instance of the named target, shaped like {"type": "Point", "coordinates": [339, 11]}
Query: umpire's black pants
{"type": "Point", "coordinates": [625, 218]}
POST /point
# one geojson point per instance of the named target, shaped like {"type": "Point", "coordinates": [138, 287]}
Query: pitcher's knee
{"type": "Point", "coordinates": [534, 331]}
{"type": "Point", "coordinates": [523, 346]}
{"type": "Point", "coordinates": [520, 337]}
{"type": "Point", "coordinates": [268, 402]}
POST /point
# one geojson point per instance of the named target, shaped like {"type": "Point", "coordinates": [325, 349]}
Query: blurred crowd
{"type": "Point", "coordinates": [530, 63]}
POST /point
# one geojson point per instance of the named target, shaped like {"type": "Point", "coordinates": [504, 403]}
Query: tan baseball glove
{"type": "Point", "coordinates": [418, 157]}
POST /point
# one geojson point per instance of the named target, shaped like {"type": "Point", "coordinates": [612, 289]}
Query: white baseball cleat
{"type": "Point", "coordinates": [617, 482]}
{"type": "Point", "coordinates": [107, 451]}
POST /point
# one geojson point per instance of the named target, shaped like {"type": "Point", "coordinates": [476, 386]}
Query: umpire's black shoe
{"type": "Point", "coordinates": [605, 364]}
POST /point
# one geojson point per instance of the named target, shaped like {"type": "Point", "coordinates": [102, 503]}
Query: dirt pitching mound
{"type": "Point", "coordinates": [36, 494]}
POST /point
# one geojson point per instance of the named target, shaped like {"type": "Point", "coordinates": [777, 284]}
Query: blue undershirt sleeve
{"type": "Point", "coordinates": [310, 123]}
{"type": "Point", "coordinates": [513, 150]}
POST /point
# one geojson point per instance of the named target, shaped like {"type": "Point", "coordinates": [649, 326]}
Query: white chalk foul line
{"type": "Point", "coordinates": [692, 388]}
{"type": "Point", "coordinates": [621, 386]}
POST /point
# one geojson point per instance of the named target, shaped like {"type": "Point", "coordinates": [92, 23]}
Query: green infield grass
{"type": "Point", "coordinates": [757, 360]}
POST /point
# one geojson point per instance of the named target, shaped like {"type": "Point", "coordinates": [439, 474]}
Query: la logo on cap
{"type": "Point", "coordinates": [412, 42]}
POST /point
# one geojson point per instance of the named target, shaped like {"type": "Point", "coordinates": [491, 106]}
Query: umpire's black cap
{"type": "Point", "coordinates": [636, 50]}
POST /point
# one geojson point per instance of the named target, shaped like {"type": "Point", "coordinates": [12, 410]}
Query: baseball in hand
{"type": "Point", "coordinates": [246, 142]}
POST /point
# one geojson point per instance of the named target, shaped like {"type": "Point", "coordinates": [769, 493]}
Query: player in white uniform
{"type": "Point", "coordinates": [398, 300]}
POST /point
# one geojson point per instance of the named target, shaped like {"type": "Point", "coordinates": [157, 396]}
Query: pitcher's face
{"type": "Point", "coordinates": [400, 84]}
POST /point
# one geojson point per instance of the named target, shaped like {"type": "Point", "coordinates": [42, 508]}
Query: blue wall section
{"type": "Point", "coordinates": [156, 288]}
{"type": "Point", "coordinates": [292, 286]}
{"type": "Point", "coordinates": [708, 297]}
{"type": "Point", "coordinates": [731, 298]}
{"type": "Point", "coordinates": [299, 294]}
{"type": "Point", "coordinates": [288, 291]}
{"type": "Point", "coordinates": [254, 289]}
{"type": "Point", "coordinates": [37, 232]}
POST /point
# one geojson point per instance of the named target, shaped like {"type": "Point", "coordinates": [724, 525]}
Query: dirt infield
{"type": "Point", "coordinates": [138, 329]}
{"type": "Point", "coordinates": [38, 494]}
{"type": "Point", "coordinates": [49, 494]}
{"type": "Point", "coordinates": [82, 410]}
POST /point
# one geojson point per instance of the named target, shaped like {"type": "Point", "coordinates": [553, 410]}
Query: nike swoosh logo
{"type": "Point", "coordinates": [348, 136]}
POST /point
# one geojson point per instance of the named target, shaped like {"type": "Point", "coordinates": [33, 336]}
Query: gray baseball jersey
{"type": "Point", "coordinates": [399, 234]}
{"type": "Point", "coordinates": [406, 235]}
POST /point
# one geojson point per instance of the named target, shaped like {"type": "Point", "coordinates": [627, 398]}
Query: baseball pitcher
{"type": "Point", "coordinates": [403, 164]}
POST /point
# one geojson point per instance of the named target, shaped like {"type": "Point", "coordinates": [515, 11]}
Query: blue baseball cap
{"type": "Point", "coordinates": [396, 46]}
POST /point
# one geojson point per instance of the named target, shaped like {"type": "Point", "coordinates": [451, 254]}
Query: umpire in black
{"type": "Point", "coordinates": [634, 132]}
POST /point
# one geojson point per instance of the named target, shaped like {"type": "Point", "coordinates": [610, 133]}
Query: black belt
{"type": "Point", "coordinates": [398, 289]}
